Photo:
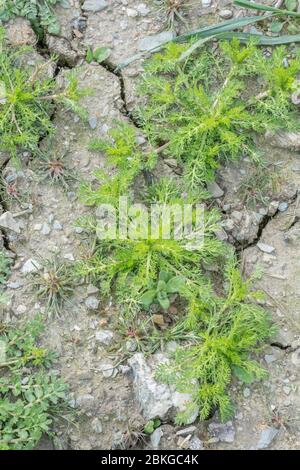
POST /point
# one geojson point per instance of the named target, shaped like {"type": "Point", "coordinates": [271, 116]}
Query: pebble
{"type": "Point", "coordinates": [94, 5]}
{"type": "Point", "coordinates": [263, 211]}
{"type": "Point", "coordinates": [13, 285]}
{"type": "Point", "coordinates": [196, 444]}
{"type": "Point", "coordinates": [57, 225]}
{"type": "Point", "coordinates": [97, 426]}
{"type": "Point", "coordinates": [273, 207]}
{"type": "Point", "coordinates": [91, 289]}
{"type": "Point", "coordinates": [131, 345]}
{"type": "Point", "coordinates": [156, 437]}
{"type": "Point", "coordinates": [156, 40]}
{"type": "Point", "coordinates": [7, 221]}
{"type": "Point", "coordinates": [143, 9]}
{"type": "Point", "coordinates": [21, 309]}
{"type": "Point", "coordinates": [286, 390]}
{"type": "Point", "coordinates": [37, 227]}
{"type": "Point", "coordinates": [206, 3]}
{"type": "Point", "coordinates": [266, 437]}
{"type": "Point", "coordinates": [226, 14]}
{"type": "Point", "coordinates": [215, 190]}
{"type": "Point", "coordinates": [93, 122]}
{"type": "Point", "coordinates": [108, 370]}
{"type": "Point", "coordinates": [283, 206]}
{"type": "Point", "coordinates": [265, 248]}
{"type": "Point", "coordinates": [45, 230]}
{"type": "Point", "coordinates": [296, 167]}
{"type": "Point", "coordinates": [295, 358]}
{"type": "Point", "coordinates": [92, 303]}
{"type": "Point", "coordinates": [186, 431]}
{"type": "Point", "coordinates": [247, 392]}
{"type": "Point", "coordinates": [30, 266]}
{"type": "Point", "coordinates": [131, 12]}
{"type": "Point", "coordinates": [224, 432]}
{"type": "Point", "coordinates": [69, 256]}
{"type": "Point", "coordinates": [104, 337]}
{"type": "Point", "coordinates": [269, 358]}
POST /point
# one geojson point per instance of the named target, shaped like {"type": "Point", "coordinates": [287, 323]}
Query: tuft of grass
{"type": "Point", "coordinates": [53, 284]}
{"type": "Point", "coordinates": [172, 10]}
{"type": "Point", "coordinates": [258, 186]}
{"type": "Point", "coordinates": [54, 169]}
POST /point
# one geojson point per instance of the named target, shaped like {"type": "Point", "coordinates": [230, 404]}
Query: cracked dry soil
{"type": "Point", "coordinates": [101, 388]}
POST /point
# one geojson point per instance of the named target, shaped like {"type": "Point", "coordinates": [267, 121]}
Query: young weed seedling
{"type": "Point", "coordinates": [39, 12]}
{"type": "Point", "coordinates": [31, 398]}
{"type": "Point", "coordinates": [201, 111]}
{"type": "Point", "coordinates": [27, 101]}
{"type": "Point", "coordinates": [53, 284]}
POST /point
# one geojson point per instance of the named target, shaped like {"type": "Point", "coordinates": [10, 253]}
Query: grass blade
{"type": "Point", "coordinates": [260, 7]}
{"type": "Point", "coordinates": [261, 39]}
{"type": "Point", "coordinates": [207, 32]}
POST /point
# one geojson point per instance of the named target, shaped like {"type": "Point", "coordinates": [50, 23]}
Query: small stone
{"type": "Point", "coordinates": [263, 211]}
{"type": "Point", "coordinates": [296, 167]}
{"type": "Point", "coordinates": [156, 437]}
{"type": "Point", "coordinates": [131, 12]}
{"type": "Point", "coordinates": [143, 9]}
{"type": "Point", "coordinates": [215, 190]}
{"type": "Point", "coordinates": [90, 290]}
{"type": "Point", "coordinates": [196, 444]}
{"type": "Point", "coordinates": [295, 358]}
{"type": "Point", "coordinates": [158, 319]}
{"type": "Point", "coordinates": [78, 229]}
{"type": "Point", "coordinates": [92, 303]}
{"type": "Point", "coordinates": [97, 426]}
{"type": "Point", "coordinates": [224, 432]}
{"type": "Point", "coordinates": [131, 345]}
{"type": "Point", "coordinates": [221, 234]}
{"type": "Point", "coordinates": [283, 206]}
{"type": "Point", "coordinates": [247, 392]}
{"type": "Point", "coordinates": [236, 215]}
{"type": "Point", "coordinates": [266, 437]}
{"type": "Point", "coordinates": [186, 431]}
{"type": "Point", "coordinates": [104, 337]}
{"type": "Point", "coordinates": [20, 33]}
{"type": "Point", "coordinates": [286, 390]}
{"type": "Point", "coordinates": [30, 266]}
{"type": "Point", "coordinates": [69, 256]}
{"type": "Point", "coordinates": [273, 207]}
{"type": "Point", "coordinates": [269, 358]}
{"type": "Point", "coordinates": [107, 369]}
{"type": "Point", "coordinates": [226, 207]}
{"type": "Point", "coordinates": [57, 225]}
{"type": "Point", "coordinates": [226, 14]}
{"type": "Point", "coordinates": [206, 3]}
{"type": "Point", "coordinates": [85, 401]}
{"type": "Point", "coordinates": [93, 122]}
{"type": "Point", "coordinates": [21, 309]}
{"type": "Point", "coordinates": [265, 248]}
{"type": "Point", "coordinates": [156, 40]}
{"type": "Point", "coordinates": [45, 230]}
{"type": "Point", "coordinates": [13, 285]}
{"type": "Point", "coordinates": [295, 97]}
{"type": "Point", "coordinates": [7, 222]}
{"type": "Point", "coordinates": [37, 227]}
{"type": "Point", "coordinates": [94, 5]}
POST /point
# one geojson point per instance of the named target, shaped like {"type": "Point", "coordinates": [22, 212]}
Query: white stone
{"type": "Point", "coordinates": [30, 266]}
